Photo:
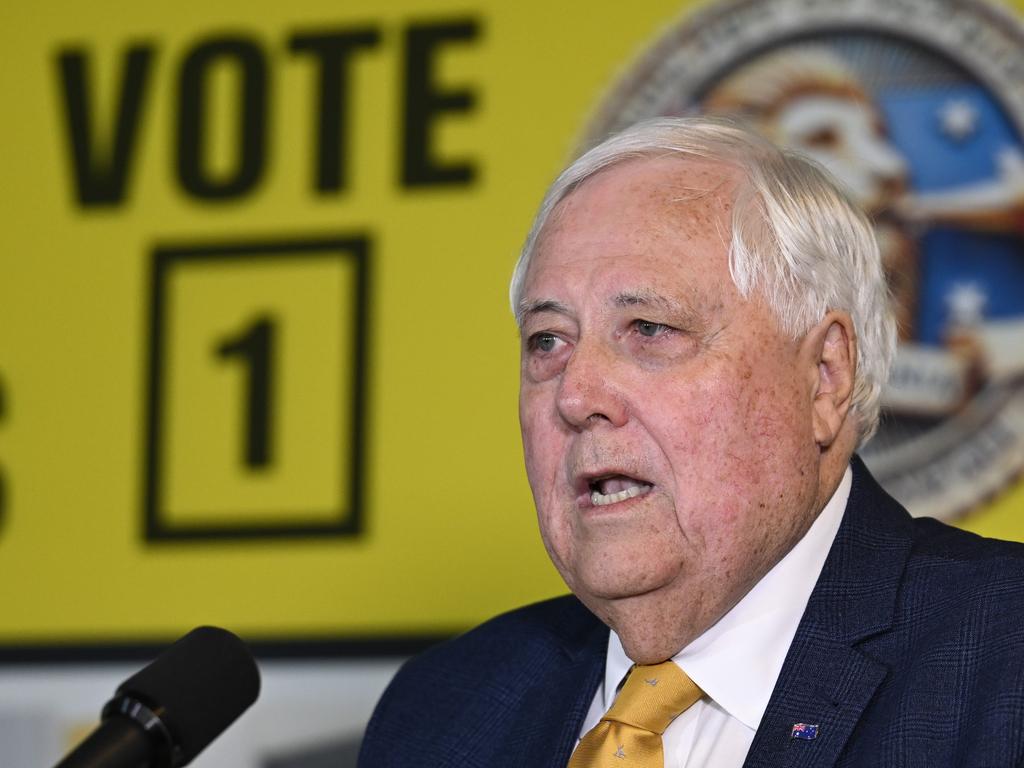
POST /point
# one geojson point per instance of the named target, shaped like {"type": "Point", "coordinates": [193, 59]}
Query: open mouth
{"type": "Point", "coordinates": [615, 488]}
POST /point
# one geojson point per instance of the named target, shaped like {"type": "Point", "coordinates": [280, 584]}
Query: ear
{"type": "Point", "coordinates": [830, 349]}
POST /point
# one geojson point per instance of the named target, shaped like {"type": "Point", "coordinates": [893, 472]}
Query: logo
{"type": "Point", "coordinates": [917, 106]}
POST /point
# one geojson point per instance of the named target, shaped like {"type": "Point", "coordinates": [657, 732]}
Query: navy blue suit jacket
{"type": "Point", "coordinates": [910, 653]}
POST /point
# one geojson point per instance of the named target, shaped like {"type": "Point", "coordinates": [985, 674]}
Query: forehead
{"type": "Point", "coordinates": [663, 223]}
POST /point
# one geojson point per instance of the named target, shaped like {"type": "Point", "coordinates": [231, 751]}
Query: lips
{"type": "Point", "coordinates": [615, 488]}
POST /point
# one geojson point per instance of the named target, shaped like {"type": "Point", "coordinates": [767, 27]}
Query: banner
{"type": "Point", "coordinates": [257, 365]}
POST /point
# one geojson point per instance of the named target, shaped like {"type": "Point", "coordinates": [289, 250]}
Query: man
{"type": "Point", "coordinates": [705, 334]}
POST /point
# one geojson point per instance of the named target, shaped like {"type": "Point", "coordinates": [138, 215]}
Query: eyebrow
{"type": "Point", "coordinates": [641, 298]}
{"type": "Point", "coordinates": [646, 298]}
{"type": "Point", "coordinates": [650, 298]}
{"type": "Point", "coordinates": [539, 306]}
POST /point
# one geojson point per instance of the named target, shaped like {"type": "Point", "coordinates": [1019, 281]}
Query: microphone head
{"type": "Point", "coordinates": [197, 687]}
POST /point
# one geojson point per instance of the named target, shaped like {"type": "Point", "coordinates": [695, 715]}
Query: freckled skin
{"type": "Point", "coordinates": [715, 409]}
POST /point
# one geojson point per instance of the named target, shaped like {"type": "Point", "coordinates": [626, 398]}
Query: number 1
{"type": "Point", "coordinates": [254, 347]}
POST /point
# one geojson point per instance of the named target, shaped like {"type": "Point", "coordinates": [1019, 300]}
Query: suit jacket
{"type": "Point", "coordinates": [910, 653]}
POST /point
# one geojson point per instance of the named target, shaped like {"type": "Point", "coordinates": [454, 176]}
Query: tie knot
{"type": "Point", "coordinates": [653, 696]}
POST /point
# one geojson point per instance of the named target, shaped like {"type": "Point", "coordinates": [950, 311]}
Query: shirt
{"type": "Point", "coordinates": [737, 660]}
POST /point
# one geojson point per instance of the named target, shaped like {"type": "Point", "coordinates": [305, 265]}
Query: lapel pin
{"type": "Point", "coordinates": [804, 731]}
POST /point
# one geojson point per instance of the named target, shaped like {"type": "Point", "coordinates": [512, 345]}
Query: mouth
{"type": "Point", "coordinates": [612, 489]}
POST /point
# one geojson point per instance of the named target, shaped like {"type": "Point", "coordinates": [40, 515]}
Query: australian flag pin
{"type": "Point", "coordinates": [804, 731]}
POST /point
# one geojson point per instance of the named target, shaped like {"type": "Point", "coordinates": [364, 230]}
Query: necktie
{"type": "Point", "coordinates": [629, 734]}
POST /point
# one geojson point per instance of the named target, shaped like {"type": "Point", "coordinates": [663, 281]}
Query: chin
{"type": "Point", "coordinates": [618, 591]}
{"type": "Point", "coordinates": [628, 584]}
{"type": "Point", "coordinates": [620, 604]}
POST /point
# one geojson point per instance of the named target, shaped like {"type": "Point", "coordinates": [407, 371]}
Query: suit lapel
{"type": "Point", "coordinates": [826, 681]}
{"type": "Point", "coordinates": [550, 714]}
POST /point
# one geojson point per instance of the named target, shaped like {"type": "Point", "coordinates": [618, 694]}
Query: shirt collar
{"type": "Point", "coordinates": [737, 660]}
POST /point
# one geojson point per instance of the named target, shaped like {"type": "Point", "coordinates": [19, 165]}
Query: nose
{"type": "Point", "coordinates": [589, 391]}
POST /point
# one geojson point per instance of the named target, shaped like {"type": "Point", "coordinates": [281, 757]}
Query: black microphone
{"type": "Point", "coordinates": [168, 712]}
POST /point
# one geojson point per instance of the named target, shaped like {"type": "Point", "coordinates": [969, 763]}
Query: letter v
{"type": "Point", "coordinates": [101, 167]}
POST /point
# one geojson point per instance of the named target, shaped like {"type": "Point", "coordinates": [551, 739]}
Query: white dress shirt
{"type": "Point", "coordinates": [737, 660]}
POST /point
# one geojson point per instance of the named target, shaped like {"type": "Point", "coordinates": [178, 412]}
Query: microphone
{"type": "Point", "coordinates": [168, 712]}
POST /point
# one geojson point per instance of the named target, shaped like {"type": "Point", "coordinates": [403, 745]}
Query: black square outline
{"type": "Point", "coordinates": [165, 257]}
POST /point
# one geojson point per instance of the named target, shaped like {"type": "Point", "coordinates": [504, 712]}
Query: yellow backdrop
{"type": "Point", "coordinates": [257, 366]}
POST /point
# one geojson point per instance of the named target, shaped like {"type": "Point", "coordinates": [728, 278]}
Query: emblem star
{"type": "Point", "coordinates": [966, 302]}
{"type": "Point", "coordinates": [619, 753]}
{"type": "Point", "coordinates": [959, 119]}
{"type": "Point", "coordinates": [652, 682]}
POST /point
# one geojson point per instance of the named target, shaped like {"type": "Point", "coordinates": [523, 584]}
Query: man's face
{"type": "Point", "coordinates": [666, 420]}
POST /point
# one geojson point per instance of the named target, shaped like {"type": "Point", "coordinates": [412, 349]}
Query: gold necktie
{"type": "Point", "coordinates": [629, 734]}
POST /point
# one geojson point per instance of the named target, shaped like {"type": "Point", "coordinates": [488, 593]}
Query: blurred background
{"type": "Point", "coordinates": [257, 365]}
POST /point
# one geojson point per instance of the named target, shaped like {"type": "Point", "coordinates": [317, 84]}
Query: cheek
{"type": "Point", "coordinates": [540, 444]}
{"type": "Point", "coordinates": [544, 453]}
{"type": "Point", "coordinates": [530, 423]}
{"type": "Point", "coordinates": [766, 401]}
{"type": "Point", "coordinates": [705, 432]}
{"type": "Point", "coordinates": [734, 440]}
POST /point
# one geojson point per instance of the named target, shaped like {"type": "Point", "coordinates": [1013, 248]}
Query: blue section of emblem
{"type": "Point", "coordinates": [950, 136]}
{"type": "Point", "coordinates": [804, 731]}
{"type": "Point", "coordinates": [953, 260]}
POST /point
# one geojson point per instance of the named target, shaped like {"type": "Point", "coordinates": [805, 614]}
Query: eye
{"type": "Point", "coordinates": [545, 354]}
{"type": "Point", "coordinates": [543, 342]}
{"type": "Point", "coordinates": [649, 328]}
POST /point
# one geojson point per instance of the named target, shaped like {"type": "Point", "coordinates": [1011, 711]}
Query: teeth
{"type": "Point", "coordinates": [599, 499]}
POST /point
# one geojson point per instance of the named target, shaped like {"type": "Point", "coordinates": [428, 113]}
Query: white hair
{"type": "Point", "coordinates": [796, 237]}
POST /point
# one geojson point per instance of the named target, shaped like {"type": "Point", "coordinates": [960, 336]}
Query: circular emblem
{"type": "Point", "coordinates": [917, 106]}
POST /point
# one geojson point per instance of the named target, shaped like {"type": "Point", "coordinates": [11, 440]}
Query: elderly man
{"type": "Point", "coordinates": [705, 334]}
